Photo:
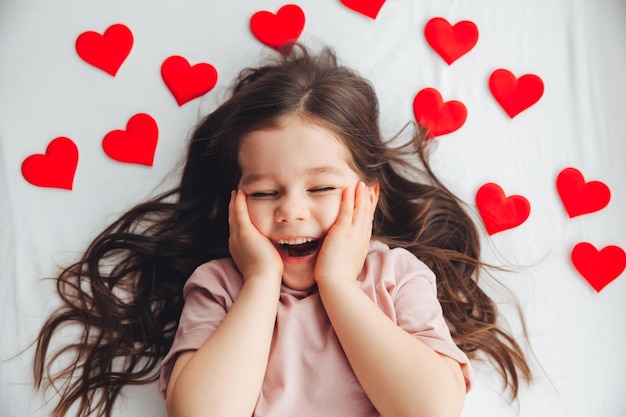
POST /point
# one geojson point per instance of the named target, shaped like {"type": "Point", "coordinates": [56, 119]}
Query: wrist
{"type": "Point", "coordinates": [328, 287]}
{"type": "Point", "coordinates": [260, 283]}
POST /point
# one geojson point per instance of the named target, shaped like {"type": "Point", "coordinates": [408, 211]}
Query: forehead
{"type": "Point", "coordinates": [293, 141]}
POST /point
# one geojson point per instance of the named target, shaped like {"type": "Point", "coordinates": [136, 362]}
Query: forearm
{"type": "Point", "coordinates": [401, 375]}
{"type": "Point", "coordinates": [224, 377]}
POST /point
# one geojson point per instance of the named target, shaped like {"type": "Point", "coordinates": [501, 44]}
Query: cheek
{"type": "Point", "coordinates": [328, 210]}
{"type": "Point", "coordinates": [261, 216]}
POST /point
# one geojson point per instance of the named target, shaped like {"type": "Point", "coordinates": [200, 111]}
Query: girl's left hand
{"type": "Point", "coordinates": [346, 245]}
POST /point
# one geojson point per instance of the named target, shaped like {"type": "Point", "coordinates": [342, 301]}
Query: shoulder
{"type": "Point", "coordinates": [397, 263]}
{"type": "Point", "coordinates": [217, 276]}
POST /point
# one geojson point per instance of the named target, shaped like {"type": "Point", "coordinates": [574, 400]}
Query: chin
{"type": "Point", "coordinates": [299, 282]}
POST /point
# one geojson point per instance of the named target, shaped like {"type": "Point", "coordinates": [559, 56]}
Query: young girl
{"type": "Point", "coordinates": [303, 266]}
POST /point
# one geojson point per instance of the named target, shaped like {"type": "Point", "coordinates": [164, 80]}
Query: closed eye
{"type": "Point", "coordinates": [322, 189]}
{"type": "Point", "coordinates": [268, 194]}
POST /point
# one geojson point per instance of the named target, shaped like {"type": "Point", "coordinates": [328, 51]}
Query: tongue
{"type": "Point", "coordinates": [298, 251]}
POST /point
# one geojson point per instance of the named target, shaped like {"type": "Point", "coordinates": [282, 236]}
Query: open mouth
{"type": "Point", "coordinates": [298, 248]}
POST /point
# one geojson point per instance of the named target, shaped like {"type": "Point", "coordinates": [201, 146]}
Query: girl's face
{"type": "Point", "coordinates": [293, 176]}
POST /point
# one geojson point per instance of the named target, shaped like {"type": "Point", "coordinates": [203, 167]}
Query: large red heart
{"type": "Point", "coordinates": [280, 29]}
{"type": "Point", "coordinates": [599, 268]}
{"type": "Point", "coordinates": [136, 144]}
{"type": "Point", "coordinates": [498, 211]}
{"type": "Point", "coordinates": [55, 168]}
{"type": "Point", "coordinates": [369, 8]}
{"type": "Point", "coordinates": [187, 82]}
{"type": "Point", "coordinates": [107, 51]}
{"type": "Point", "coordinates": [580, 197]}
{"type": "Point", "coordinates": [515, 94]}
{"type": "Point", "coordinates": [438, 117]}
{"type": "Point", "coordinates": [450, 42]}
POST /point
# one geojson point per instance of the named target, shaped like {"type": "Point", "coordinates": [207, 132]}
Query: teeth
{"type": "Point", "coordinates": [296, 241]}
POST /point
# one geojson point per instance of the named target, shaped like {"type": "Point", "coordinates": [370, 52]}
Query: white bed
{"type": "Point", "coordinates": [575, 48]}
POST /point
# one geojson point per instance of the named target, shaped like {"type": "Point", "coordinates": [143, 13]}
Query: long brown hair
{"type": "Point", "coordinates": [125, 293]}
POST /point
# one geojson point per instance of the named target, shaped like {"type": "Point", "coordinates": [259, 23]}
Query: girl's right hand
{"type": "Point", "coordinates": [253, 253]}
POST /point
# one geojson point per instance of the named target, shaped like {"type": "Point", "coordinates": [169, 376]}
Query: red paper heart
{"type": "Point", "coordinates": [599, 268]}
{"type": "Point", "coordinates": [438, 117]}
{"type": "Point", "coordinates": [580, 197]}
{"type": "Point", "coordinates": [280, 29]}
{"type": "Point", "coordinates": [451, 42]}
{"type": "Point", "coordinates": [187, 82]}
{"type": "Point", "coordinates": [515, 94]}
{"type": "Point", "coordinates": [498, 211]}
{"type": "Point", "coordinates": [369, 8]}
{"type": "Point", "coordinates": [136, 144]}
{"type": "Point", "coordinates": [107, 51]}
{"type": "Point", "coordinates": [55, 168]}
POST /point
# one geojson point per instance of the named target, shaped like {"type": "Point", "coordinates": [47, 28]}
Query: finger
{"type": "Point", "coordinates": [346, 208]}
{"type": "Point", "coordinates": [362, 205]}
{"type": "Point", "coordinates": [241, 208]}
{"type": "Point", "coordinates": [370, 193]}
{"type": "Point", "coordinates": [231, 210]}
{"type": "Point", "coordinates": [239, 217]}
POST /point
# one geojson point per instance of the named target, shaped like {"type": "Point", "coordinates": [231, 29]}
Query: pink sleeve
{"type": "Point", "coordinates": [419, 312]}
{"type": "Point", "coordinates": [209, 294]}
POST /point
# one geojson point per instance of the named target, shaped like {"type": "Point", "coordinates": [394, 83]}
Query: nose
{"type": "Point", "coordinates": [291, 209]}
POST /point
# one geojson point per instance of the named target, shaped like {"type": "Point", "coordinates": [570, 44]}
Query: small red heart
{"type": "Point", "coordinates": [55, 168]}
{"type": "Point", "coordinates": [136, 144]}
{"type": "Point", "coordinates": [369, 8]}
{"type": "Point", "coordinates": [280, 29]}
{"type": "Point", "coordinates": [107, 51]}
{"type": "Point", "coordinates": [451, 42]}
{"type": "Point", "coordinates": [515, 94]}
{"type": "Point", "coordinates": [580, 197]}
{"type": "Point", "coordinates": [498, 211]}
{"type": "Point", "coordinates": [187, 82]}
{"type": "Point", "coordinates": [599, 268]}
{"type": "Point", "coordinates": [438, 117]}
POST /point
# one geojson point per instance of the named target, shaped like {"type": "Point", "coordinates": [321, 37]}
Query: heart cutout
{"type": "Point", "coordinates": [187, 82]}
{"type": "Point", "coordinates": [498, 211]}
{"type": "Point", "coordinates": [369, 8]}
{"type": "Point", "coordinates": [437, 116]}
{"type": "Point", "coordinates": [54, 169]}
{"type": "Point", "coordinates": [107, 51]}
{"type": "Point", "coordinates": [135, 145]}
{"type": "Point", "coordinates": [278, 30]}
{"type": "Point", "coordinates": [515, 94]}
{"type": "Point", "coordinates": [580, 197]}
{"type": "Point", "coordinates": [451, 42]}
{"type": "Point", "coordinates": [599, 268]}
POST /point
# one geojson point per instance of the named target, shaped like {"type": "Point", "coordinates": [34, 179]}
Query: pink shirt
{"type": "Point", "coordinates": [308, 373]}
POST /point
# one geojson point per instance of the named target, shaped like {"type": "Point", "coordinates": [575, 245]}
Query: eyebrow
{"type": "Point", "coordinates": [309, 172]}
